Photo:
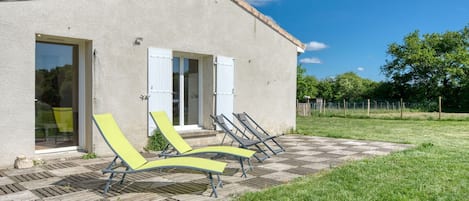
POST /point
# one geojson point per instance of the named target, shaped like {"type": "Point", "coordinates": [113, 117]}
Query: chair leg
{"type": "Point", "coordinates": [268, 147]}
{"type": "Point", "coordinates": [278, 144]}
{"type": "Point", "coordinates": [250, 165]}
{"type": "Point", "coordinates": [108, 183]}
{"type": "Point", "coordinates": [220, 182]}
{"type": "Point", "coordinates": [242, 168]}
{"type": "Point", "coordinates": [123, 176]}
{"type": "Point", "coordinates": [266, 156]}
{"type": "Point", "coordinates": [214, 189]}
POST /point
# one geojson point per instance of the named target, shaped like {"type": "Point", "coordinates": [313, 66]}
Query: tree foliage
{"type": "Point", "coordinates": [430, 65]}
{"type": "Point", "coordinates": [420, 69]}
{"type": "Point", "coordinates": [306, 85]}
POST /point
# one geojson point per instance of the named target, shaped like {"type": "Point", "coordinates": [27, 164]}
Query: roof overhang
{"type": "Point", "coordinates": [246, 6]}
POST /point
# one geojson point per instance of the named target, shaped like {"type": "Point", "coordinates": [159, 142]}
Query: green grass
{"type": "Point", "coordinates": [437, 169]}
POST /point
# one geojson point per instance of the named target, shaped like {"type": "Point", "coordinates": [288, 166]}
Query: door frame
{"type": "Point", "coordinates": [81, 88]}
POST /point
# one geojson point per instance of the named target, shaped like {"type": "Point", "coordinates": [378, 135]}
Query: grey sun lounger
{"type": "Point", "coordinates": [239, 136]}
{"type": "Point", "coordinates": [133, 161]}
{"type": "Point", "coordinates": [256, 130]}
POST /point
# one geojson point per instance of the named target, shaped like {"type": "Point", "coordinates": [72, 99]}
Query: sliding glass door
{"type": "Point", "coordinates": [185, 91]}
{"type": "Point", "coordinates": [56, 96]}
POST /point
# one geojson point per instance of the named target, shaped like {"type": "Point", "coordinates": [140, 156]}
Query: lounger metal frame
{"type": "Point", "coordinates": [113, 167]}
{"type": "Point", "coordinates": [243, 141]}
{"type": "Point", "coordinates": [169, 148]}
{"type": "Point", "coordinates": [257, 131]}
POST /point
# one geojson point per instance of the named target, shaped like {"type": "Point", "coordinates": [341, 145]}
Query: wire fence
{"type": "Point", "coordinates": [394, 109]}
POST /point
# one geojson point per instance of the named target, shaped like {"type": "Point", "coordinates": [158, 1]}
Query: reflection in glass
{"type": "Point", "coordinates": [176, 91]}
{"type": "Point", "coordinates": [191, 91]}
{"type": "Point", "coordinates": [56, 95]}
{"type": "Point", "coordinates": [185, 91]}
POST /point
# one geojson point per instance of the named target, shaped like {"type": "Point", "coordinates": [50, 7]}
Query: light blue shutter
{"type": "Point", "coordinates": [160, 85]}
{"type": "Point", "coordinates": [225, 86]}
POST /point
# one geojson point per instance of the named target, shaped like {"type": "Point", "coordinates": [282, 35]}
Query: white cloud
{"type": "Point", "coordinates": [315, 46]}
{"type": "Point", "coordinates": [311, 60]}
{"type": "Point", "coordinates": [259, 2]}
{"type": "Point", "coordinates": [360, 69]}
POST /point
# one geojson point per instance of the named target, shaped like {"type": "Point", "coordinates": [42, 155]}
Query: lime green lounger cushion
{"type": "Point", "coordinates": [121, 146]}
{"type": "Point", "coordinates": [173, 137]}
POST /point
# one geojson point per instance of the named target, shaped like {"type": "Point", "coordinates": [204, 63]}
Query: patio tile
{"type": "Point", "coordinates": [22, 195]}
{"type": "Point", "coordinates": [283, 177]}
{"type": "Point", "coordinates": [364, 147]}
{"type": "Point", "coordinates": [273, 159]}
{"type": "Point", "coordinates": [328, 155]}
{"type": "Point", "coordinates": [302, 171]}
{"type": "Point", "coordinates": [330, 148]}
{"type": "Point", "coordinates": [301, 148]}
{"type": "Point", "coordinates": [354, 143]}
{"type": "Point", "coordinates": [288, 155]}
{"type": "Point", "coordinates": [13, 172]}
{"type": "Point", "coordinates": [233, 190]}
{"type": "Point", "coordinates": [259, 171]}
{"type": "Point", "coordinates": [189, 197]}
{"type": "Point", "coordinates": [138, 197]}
{"type": "Point", "coordinates": [77, 196]}
{"type": "Point", "coordinates": [59, 165]}
{"type": "Point", "coordinates": [308, 153]}
{"type": "Point", "coordinates": [53, 191]}
{"type": "Point", "coordinates": [5, 181]}
{"type": "Point", "coordinates": [277, 166]}
{"type": "Point", "coordinates": [295, 162]}
{"type": "Point", "coordinates": [70, 171]}
{"type": "Point", "coordinates": [312, 159]}
{"type": "Point", "coordinates": [317, 166]}
{"type": "Point", "coordinates": [31, 176]}
{"type": "Point", "coordinates": [354, 157]}
{"type": "Point", "coordinates": [181, 177]}
{"type": "Point", "coordinates": [40, 183]}
{"type": "Point", "coordinates": [260, 182]}
{"type": "Point", "coordinates": [342, 152]}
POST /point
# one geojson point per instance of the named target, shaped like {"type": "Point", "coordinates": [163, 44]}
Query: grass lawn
{"type": "Point", "coordinates": [437, 169]}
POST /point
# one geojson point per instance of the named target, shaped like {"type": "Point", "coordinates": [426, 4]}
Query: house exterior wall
{"type": "Point", "coordinates": [265, 62]}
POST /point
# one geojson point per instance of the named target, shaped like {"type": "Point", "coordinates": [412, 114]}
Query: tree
{"type": "Point", "coordinates": [350, 86]}
{"type": "Point", "coordinates": [306, 85]}
{"type": "Point", "coordinates": [326, 89]}
{"type": "Point", "coordinates": [431, 65]}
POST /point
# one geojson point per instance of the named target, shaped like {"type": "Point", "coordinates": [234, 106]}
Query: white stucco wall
{"type": "Point", "coordinates": [265, 62]}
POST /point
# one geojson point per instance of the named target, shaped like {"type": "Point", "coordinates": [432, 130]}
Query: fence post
{"type": "Point", "coordinates": [345, 109]}
{"type": "Point", "coordinates": [439, 108]}
{"type": "Point", "coordinates": [324, 106]}
{"type": "Point", "coordinates": [368, 107]}
{"type": "Point", "coordinates": [402, 105]}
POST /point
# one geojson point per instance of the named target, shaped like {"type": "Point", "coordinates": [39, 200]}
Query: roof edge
{"type": "Point", "coordinates": [270, 23]}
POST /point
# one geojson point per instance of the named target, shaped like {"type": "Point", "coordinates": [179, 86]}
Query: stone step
{"type": "Point", "coordinates": [199, 138]}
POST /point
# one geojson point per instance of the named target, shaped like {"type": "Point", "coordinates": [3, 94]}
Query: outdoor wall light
{"type": "Point", "coordinates": [138, 41]}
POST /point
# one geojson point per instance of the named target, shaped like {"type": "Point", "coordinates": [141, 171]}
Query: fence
{"type": "Point", "coordinates": [378, 108]}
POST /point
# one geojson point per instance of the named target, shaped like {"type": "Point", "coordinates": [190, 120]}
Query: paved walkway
{"type": "Point", "coordinates": [79, 179]}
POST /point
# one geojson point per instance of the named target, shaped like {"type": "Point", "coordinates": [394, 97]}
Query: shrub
{"type": "Point", "coordinates": [156, 142]}
{"type": "Point", "coordinates": [89, 156]}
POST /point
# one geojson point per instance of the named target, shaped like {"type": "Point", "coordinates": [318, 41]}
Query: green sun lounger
{"type": "Point", "coordinates": [183, 149]}
{"type": "Point", "coordinates": [134, 162]}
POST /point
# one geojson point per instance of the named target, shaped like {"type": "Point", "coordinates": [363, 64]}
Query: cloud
{"type": "Point", "coordinates": [315, 46]}
{"type": "Point", "coordinates": [259, 2]}
{"type": "Point", "coordinates": [311, 60]}
{"type": "Point", "coordinates": [360, 69]}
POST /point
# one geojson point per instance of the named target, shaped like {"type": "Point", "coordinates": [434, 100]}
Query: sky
{"type": "Point", "coordinates": [353, 35]}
